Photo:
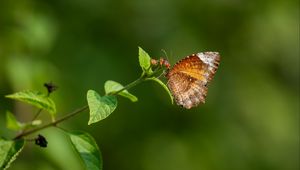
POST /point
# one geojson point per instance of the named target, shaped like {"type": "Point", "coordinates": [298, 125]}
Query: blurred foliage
{"type": "Point", "coordinates": [251, 116]}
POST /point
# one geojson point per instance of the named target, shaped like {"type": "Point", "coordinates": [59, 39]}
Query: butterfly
{"type": "Point", "coordinates": [188, 78]}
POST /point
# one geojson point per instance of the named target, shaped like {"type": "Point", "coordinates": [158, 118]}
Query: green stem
{"type": "Point", "coordinates": [142, 78]}
{"type": "Point", "coordinates": [37, 114]}
{"type": "Point", "coordinates": [130, 85]}
{"type": "Point", "coordinates": [52, 123]}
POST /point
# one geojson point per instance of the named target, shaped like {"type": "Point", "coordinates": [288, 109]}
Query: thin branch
{"type": "Point", "coordinates": [37, 114]}
{"type": "Point", "coordinates": [130, 85]}
{"type": "Point", "coordinates": [75, 112]}
{"type": "Point", "coordinates": [137, 81]}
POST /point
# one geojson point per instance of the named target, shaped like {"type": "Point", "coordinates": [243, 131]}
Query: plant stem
{"type": "Point", "coordinates": [130, 85]}
{"type": "Point", "coordinates": [75, 112]}
{"type": "Point", "coordinates": [37, 114]}
{"type": "Point", "coordinates": [142, 78]}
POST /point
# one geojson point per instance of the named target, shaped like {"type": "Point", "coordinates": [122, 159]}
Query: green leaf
{"type": "Point", "coordinates": [12, 123]}
{"type": "Point", "coordinates": [163, 85]}
{"type": "Point", "coordinates": [9, 150]}
{"type": "Point", "coordinates": [85, 145]}
{"type": "Point", "coordinates": [36, 99]}
{"type": "Point", "coordinates": [144, 60]}
{"type": "Point", "coordinates": [112, 86]}
{"type": "Point", "coordinates": [100, 107]}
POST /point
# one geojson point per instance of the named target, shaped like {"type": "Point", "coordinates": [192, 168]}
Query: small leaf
{"type": "Point", "coordinates": [112, 86]}
{"type": "Point", "coordinates": [163, 85]}
{"type": "Point", "coordinates": [9, 150]}
{"type": "Point", "coordinates": [36, 99]}
{"type": "Point", "coordinates": [12, 123]}
{"type": "Point", "coordinates": [144, 60]}
{"type": "Point", "coordinates": [85, 145]}
{"type": "Point", "coordinates": [100, 107]}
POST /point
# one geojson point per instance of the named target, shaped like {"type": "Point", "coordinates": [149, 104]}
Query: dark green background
{"type": "Point", "coordinates": [251, 116]}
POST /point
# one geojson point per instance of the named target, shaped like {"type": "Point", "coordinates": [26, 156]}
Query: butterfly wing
{"type": "Point", "coordinates": [188, 79]}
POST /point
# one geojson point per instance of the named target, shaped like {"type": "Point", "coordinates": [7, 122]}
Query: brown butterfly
{"type": "Point", "coordinates": [188, 78]}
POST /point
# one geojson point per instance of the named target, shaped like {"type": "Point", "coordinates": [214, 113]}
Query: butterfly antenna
{"type": "Point", "coordinates": [164, 51]}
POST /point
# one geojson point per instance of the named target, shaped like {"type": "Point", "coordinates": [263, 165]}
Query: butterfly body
{"type": "Point", "coordinates": [188, 78]}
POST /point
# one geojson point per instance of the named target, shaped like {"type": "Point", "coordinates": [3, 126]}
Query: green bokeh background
{"type": "Point", "coordinates": [251, 117]}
